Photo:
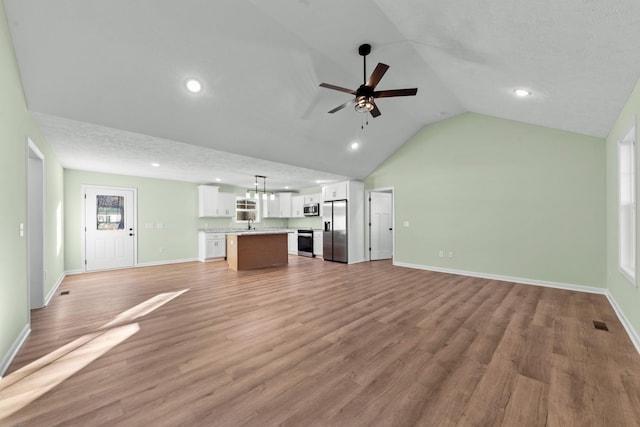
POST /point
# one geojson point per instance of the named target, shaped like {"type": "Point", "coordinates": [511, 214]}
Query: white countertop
{"type": "Point", "coordinates": [244, 231]}
{"type": "Point", "coordinates": [254, 232]}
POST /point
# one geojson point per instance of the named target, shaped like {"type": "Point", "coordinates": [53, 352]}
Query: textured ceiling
{"type": "Point", "coordinates": [106, 79]}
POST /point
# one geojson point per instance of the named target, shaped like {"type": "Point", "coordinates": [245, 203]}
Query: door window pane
{"type": "Point", "coordinates": [109, 212]}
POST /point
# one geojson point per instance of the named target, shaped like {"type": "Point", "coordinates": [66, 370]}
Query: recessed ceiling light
{"type": "Point", "coordinates": [218, 180]}
{"type": "Point", "coordinates": [193, 85]}
{"type": "Point", "coordinates": [155, 165]}
{"type": "Point", "coordinates": [522, 92]}
{"type": "Point", "coordinates": [286, 187]}
{"type": "Point", "coordinates": [354, 146]}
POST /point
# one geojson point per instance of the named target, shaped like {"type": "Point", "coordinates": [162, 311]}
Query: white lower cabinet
{"type": "Point", "coordinates": [293, 242]}
{"type": "Point", "coordinates": [211, 245]}
{"type": "Point", "coordinates": [317, 243]}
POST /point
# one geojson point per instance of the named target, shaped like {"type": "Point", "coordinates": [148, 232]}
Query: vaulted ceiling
{"type": "Point", "coordinates": [106, 79]}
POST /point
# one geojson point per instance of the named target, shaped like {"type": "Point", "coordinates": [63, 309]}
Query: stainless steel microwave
{"type": "Point", "coordinates": [312, 209]}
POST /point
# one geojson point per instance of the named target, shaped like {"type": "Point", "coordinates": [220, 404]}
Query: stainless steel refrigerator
{"type": "Point", "coordinates": [334, 237]}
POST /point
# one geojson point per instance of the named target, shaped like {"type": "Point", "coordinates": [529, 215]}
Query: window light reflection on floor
{"type": "Point", "coordinates": [25, 385]}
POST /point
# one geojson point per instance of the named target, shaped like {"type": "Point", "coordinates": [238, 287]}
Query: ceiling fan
{"type": "Point", "coordinates": [365, 95]}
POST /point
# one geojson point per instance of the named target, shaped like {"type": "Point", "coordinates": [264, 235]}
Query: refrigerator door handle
{"type": "Point", "coordinates": [327, 226]}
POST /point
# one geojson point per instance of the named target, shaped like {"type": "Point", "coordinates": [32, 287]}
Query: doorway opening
{"type": "Point", "coordinates": [381, 236]}
{"type": "Point", "coordinates": [35, 226]}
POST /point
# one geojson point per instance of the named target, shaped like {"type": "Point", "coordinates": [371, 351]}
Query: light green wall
{"type": "Point", "coordinates": [174, 204]}
{"type": "Point", "coordinates": [507, 198]}
{"type": "Point", "coordinates": [16, 125]}
{"type": "Point", "coordinates": [625, 294]}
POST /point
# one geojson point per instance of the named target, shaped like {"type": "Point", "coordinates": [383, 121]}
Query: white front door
{"type": "Point", "coordinates": [109, 228]}
{"type": "Point", "coordinates": [381, 225]}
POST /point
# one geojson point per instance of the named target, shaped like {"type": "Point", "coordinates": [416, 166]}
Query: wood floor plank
{"type": "Point", "coordinates": [318, 343]}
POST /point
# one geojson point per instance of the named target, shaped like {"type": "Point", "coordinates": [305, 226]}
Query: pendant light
{"type": "Point", "coordinates": [257, 191]}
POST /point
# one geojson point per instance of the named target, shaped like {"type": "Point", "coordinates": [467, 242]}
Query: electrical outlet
{"type": "Point", "coordinates": [406, 223]}
{"type": "Point", "coordinates": [450, 254]}
{"type": "Point", "coordinates": [161, 249]}
{"type": "Point", "coordinates": [441, 253]}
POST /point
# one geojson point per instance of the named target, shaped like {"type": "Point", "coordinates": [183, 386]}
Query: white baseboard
{"type": "Point", "coordinates": [557, 285]}
{"type": "Point", "coordinates": [53, 290]}
{"type": "Point", "coordinates": [13, 350]}
{"type": "Point", "coordinates": [72, 272]}
{"type": "Point", "coordinates": [633, 334]}
{"type": "Point", "coordinates": [173, 261]}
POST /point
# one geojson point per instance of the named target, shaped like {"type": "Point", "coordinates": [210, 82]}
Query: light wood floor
{"type": "Point", "coordinates": [320, 343]}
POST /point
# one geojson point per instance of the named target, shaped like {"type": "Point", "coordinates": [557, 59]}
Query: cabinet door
{"type": "Point", "coordinates": [272, 208]}
{"type": "Point", "coordinates": [207, 200]}
{"type": "Point", "coordinates": [285, 205]}
{"type": "Point", "coordinates": [219, 248]}
{"type": "Point", "coordinates": [211, 248]}
{"type": "Point", "coordinates": [293, 243]}
{"type": "Point", "coordinates": [335, 191]}
{"type": "Point", "coordinates": [297, 207]}
{"type": "Point", "coordinates": [317, 243]}
{"type": "Point", "coordinates": [226, 204]}
{"type": "Point", "coordinates": [313, 198]}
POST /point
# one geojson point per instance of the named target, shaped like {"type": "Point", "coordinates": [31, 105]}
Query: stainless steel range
{"type": "Point", "coordinates": [305, 243]}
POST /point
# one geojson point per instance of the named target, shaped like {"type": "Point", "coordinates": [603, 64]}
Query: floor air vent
{"type": "Point", "coordinates": [64, 293]}
{"type": "Point", "coordinates": [600, 325]}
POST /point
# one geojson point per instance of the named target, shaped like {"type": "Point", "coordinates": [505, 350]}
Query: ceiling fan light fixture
{"type": "Point", "coordinates": [364, 104]}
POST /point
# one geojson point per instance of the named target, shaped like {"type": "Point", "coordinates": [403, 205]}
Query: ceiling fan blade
{"type": "Point", "coordinates": [375, 112]}
{"type": "Point", "coordinates": [395, 92]}
{"type": "Point", "coordinates": [377, 75]}
{"type": "Point", "coordinates": [341, 89]}
{"type": "Point", "coordinates": [346, 104]}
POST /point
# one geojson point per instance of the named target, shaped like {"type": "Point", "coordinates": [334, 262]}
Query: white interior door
{"type": "Point", "coordinates": [109, 228]}
{"type": "Point", "coordinates": [381, 225]}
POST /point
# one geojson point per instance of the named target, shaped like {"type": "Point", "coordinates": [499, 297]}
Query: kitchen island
{"type": "Point", "coordinates": [248, 250]}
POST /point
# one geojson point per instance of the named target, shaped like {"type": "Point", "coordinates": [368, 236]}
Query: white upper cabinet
{"type": "Point", "coordinates": [212, 203]}
{"type": "Point", "coordinates": [297, 207]}
{"type": "Point", "coordinates": [271, 207]}
{"type": "Point", "coordinates": [337, 191]}
{"type": "Point", "coordinates": [208, 200]}
{"type": "Point", "coordinates": [285, 204]}
{"type": "Point", "coordinates": [226, 204]}
{"type": "Point", "coordinates": [313, 198]}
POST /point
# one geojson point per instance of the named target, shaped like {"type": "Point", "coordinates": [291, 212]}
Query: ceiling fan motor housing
{"type": "Point", "coordinates": [364, 49]}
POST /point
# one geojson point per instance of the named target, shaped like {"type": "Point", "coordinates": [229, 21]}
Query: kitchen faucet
{"type": "Point", "coordinates": [249, 224]}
